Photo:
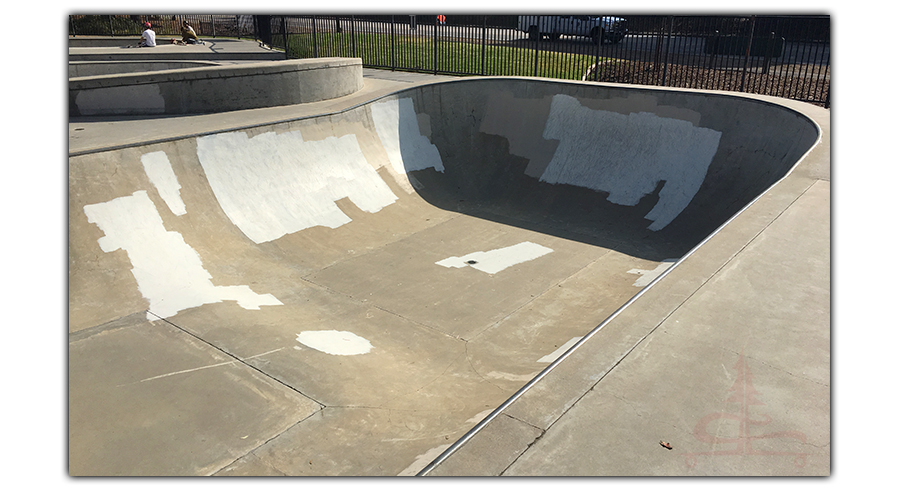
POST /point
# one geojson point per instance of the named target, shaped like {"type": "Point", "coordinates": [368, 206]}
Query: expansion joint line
{"type": "Point", "coordinates": [662, 321]}
{"type": "Point", "coordinates": [380, 308]}
{"type": "Point", "coordinates": [267, 441]}
{"type": "Point", "coordinates": [235, 358]}
{"type": "Point", "coordinates": [506, 404]}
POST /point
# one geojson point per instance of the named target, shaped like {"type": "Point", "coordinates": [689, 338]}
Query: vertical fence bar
{"type": "Point", "coordinates": [434, 54]}
{"type": "Point", "coordinates": [747, 53]}
{"type": "Point", "coordinates": [353, 35]}
{"type": "Point", "coordinates": [596, 47]}
{"type": "Point", "coordinates": [315, 37]}
{"type": "Point", "coordinates": [284, 35]}
{"type": "Point", "coordinates": [483, 42]}
{"type": "Point", "coordinates": [666, 54]}
{"type": "Point", "coordinates": [393, 64]}
{"type": "Point", "coordinates": [537, 48]}
{"type": "Point", "coordinates": [809, 65]}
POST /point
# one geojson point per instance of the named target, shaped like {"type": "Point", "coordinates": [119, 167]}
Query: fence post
{"type": "Point", "coordinates": [747, 53]}
{"type": "Point", "coordinates": [212, 20]}
{"type": "Point", "coordinates": [483, 41]}
{"type": "Point", "coordinates": [668, 40]}
{"type": "Point", "coordinates": [597, 58]}
{"type": "Point", "coordinates": [435, 44]}
{"type": "Point", "coordinates": [537, 46]}
{"type": "Point", "coordinates": [393, 64]}
{"type": "Point", "coordinates": [284, 36]}
{"type": "Point", "coordinates": [315, 37]}
{"type": "Point", "coordinates": [715, 49]}
{"type": "Point", "coordinates": [353, 35]}
{"type": "Point", "coordinates": [110, 25]}
{"type": "Point", "coordinates": [770, 48]}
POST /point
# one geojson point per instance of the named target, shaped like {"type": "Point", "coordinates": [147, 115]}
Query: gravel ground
{"type": "Point", "coordinates": [801, 82]}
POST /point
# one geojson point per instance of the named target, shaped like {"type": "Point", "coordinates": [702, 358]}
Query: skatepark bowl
{"type": "Point", "coordinates": [349, 293]}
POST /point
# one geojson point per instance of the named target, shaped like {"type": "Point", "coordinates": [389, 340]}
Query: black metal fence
{"type": "Point", "coordinates": [784, 56]}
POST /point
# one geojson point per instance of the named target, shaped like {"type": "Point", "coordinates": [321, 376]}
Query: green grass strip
{"type": "Point", "coordinates": [460, 57]}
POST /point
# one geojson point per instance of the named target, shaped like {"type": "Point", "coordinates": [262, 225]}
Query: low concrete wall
{"type": "Point", "coordinates": [103, 41]}
{"type": "Point", "coordinates": [82, 69]}
{"type": "Point", "coordinates": [212, 90]}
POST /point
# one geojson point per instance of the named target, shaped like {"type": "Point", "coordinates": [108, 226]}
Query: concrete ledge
{"type": "Point", "coordinates": [97, 68]}
{"type": "Point", "coordinates": [103, 41]}
{"type": "Point", "coordinates": [216, 89]}
{"type": "Point", "coordinates": [126, 49]}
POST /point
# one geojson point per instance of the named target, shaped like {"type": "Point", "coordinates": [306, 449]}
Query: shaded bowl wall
{"type": "Point", "coordinates": [661, 166]}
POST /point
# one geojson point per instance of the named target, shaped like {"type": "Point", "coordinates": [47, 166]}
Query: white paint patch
{"type": "Point", "coordinates": [479, 417]}
{"type": "Point", "coordinates": [131, 100]}
{"type": "Point", "coordinates": [423, 460]}
{"type": "Point", "coordinates": [648, 275]}
{"type": "Point", "coordinates": [168, 271]}
{"type": "Point", "coordinates": [494, 261]}
{"type": "Point", "coordinates": [406, 147]}
{"type": "Point", "coordinates": [513, 377]}
{"type": "Point", "coordinates": [277, 184]}
{"type": "Point", "coordinates": [553, 356]}
{"type": "Point", "coordinates": [335, 342]}
{"type": "Point", "coordinates": [627, 156]}
{"type": "Point", "coordinates": [159, 170]}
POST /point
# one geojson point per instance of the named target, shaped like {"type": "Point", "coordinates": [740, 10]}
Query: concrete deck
{"type": "Point", "coordinates": [214, 49]}
{"type": "Point", "coordinates": [726, 358]}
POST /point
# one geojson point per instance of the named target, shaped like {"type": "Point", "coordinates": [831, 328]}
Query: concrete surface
{"type": "Point", "coordinates": [213, 89]}
{"type": "Point", "coordinates": [214, 49]}
{"type": "Point", "coordinates": [416, 344]}
{"type": "Point", "coordinates": [82, 69]}
{"type": "Point", "coordinates": [727, 360]}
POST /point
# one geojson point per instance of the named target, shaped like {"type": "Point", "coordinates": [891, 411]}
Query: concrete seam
{"type": "Point", "coordinates": [113, 324]}
{"type": "Point", "coordinates": [667, 316]}
{"type": "Point", "coordinates": [502, 408]}
{"type": "Point", "coordinates": [267, 441]}
{"type": "Point", "coordinates": [89, 84]}
{"type": "Point", "coordinates": [380, 308]}
{"type": "Point", "coordinates": [238, 360]}
{"type": "Point", "coordinates": [539, 295]}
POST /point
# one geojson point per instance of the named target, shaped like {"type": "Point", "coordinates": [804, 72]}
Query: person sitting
{"type": "Point", "coordinates": [148, 37]}
{"type": "Point", "coordinates": [188, 35]}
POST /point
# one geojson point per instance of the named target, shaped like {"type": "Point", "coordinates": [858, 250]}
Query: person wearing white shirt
{"type": "Point", "coordinates": [148, 37]}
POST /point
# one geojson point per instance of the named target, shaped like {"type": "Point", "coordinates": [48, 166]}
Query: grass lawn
{"type": "Point", "coordinates": [460, 57]}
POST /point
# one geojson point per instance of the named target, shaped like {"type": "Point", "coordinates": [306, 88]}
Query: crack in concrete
{"type": "Point", "coordinates": [238, 359]}
{"type": "Point", "coordinates": [782, 370]}
{"type": "Point", "coordinates": [667, 316]}
{"type": "Point", "coordinates": [527, 447]}
{"type": "Point", "coordinates": [267, 441]}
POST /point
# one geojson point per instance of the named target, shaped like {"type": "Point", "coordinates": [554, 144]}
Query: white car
{"type": "Point", "coordinates": [598, 29]}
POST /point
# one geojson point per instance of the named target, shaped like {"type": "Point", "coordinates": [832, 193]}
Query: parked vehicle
{"type": "Point", "coordinates": [598, 29]}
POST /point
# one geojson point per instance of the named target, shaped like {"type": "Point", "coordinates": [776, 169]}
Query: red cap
{"type": "Point", "coordinates": [147, 25]}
